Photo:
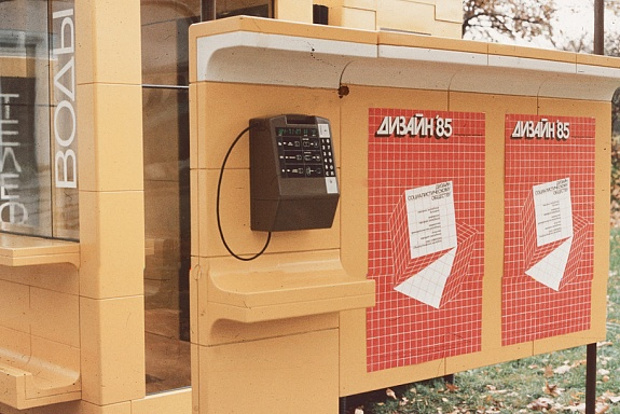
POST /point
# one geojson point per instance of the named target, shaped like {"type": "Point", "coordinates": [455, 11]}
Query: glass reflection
{"type": "Point", "coordinates": [226, 8]}
{"type": "Point", "coordinates": [166, 194]}
{"type": "Point", "coordinates": [165, 27]}
{"type": "Point", "coordinates": [218, 9]}
{"type": "Point", "coordinates": [25, 190]}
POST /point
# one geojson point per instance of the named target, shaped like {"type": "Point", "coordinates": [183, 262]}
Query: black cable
{"type": "Point", "coordinates": [219, 223]}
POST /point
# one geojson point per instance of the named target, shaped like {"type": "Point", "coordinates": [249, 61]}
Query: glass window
{"type": "Point", "coordinates": [165, 27]}
{"type": "Point", "coordinates": [167, 218]}
{"type": "Point", "coordinates": [218, 9]}
{"type": "Point", "coordinates": [38, 124]}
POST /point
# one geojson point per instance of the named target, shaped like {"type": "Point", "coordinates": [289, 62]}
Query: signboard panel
{"type": "Point", "coordinates": [549, 198]}
{"type": "Point", "coordinates": [426, 235]}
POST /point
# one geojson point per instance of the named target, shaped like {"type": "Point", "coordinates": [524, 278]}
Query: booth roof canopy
{"type": "Point", "coordinates": [265, 51]}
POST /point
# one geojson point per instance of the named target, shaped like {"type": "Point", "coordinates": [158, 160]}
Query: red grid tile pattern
{"type": "Point", "coordinates": [402, 331]}
{"type": "Point", "coordinates": [467, 239]}
{"type": "Point", "coordinates": [531, 310]}
{"type": "Point", "coordinates": [581, 228]}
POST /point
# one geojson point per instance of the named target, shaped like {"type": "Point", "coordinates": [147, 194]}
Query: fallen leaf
{"type": "Point", "coordinates": [548, 373]}
{"type": "Point", "coordinates": [540, 404]}
{"type": "Point", "coordinates": [610, 396]}
{"type": "Point", "coordinates": [391, 393]}
{"type": "Point", "coordinates": [577, 408]}
{"type": "Point", "coordinates": [552, 389]}
{"type": "Point", "coordinates": [451, 387]}
{"type": "Point", "coordinates": [576, 396]}
{"type": "Point", "coordinates": [602, 372]}
{"type": "Point", "coordinates": [602, 408]}
{"type": "Point", "coordinates": [562, 369]}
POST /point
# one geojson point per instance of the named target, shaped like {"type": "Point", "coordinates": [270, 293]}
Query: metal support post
{"type": "Point", "coordinates": [599, 27]}
{"type": "Point", "coordinates": [591, 379]}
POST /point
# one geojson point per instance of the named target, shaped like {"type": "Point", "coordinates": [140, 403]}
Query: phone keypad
{"type": "Point", "coordinates": [303, 153]}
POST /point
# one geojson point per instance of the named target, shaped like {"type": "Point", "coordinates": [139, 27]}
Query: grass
{"type": "Point", "coordinates": [553, 383]}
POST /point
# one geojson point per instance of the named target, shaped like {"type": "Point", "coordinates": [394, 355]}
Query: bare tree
{"type": "Point", "coordinates": [612, 31]}
{"type": "Point", "coordinates": [514, 18]}
{"type": "Point", "coordinates": [494, 20]}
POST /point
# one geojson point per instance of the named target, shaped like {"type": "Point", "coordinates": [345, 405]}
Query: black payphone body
{"type": "Point", "coordinates": [293, 178]}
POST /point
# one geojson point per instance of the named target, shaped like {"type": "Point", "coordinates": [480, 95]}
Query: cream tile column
{"type": "Point", "coordinates": [296, 11]}
{"type": "Point", "coordinates": [109, 100]}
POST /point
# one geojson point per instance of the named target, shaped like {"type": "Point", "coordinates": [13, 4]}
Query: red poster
{"type": "Point", "coordinates": [549, 216]}
{"type": "Point", "coordinates": [426, 235]}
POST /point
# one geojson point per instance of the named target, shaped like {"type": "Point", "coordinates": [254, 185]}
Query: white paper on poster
{"type": "Point", "coordinates": [554, 213]}
{"type": "Point", "coordinates": [550, 270]}
{"type": "Point", "coordinates": [431, 219]}
{"type": "Point", "coordinates": [428, 285]}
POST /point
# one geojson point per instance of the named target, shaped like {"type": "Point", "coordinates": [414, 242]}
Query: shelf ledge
{"type": "Point", "coordinates": [281, 286]}
{"type": "Point", "coordinates": [36, 383]}
{"type": "Point", "coordinates": [18, 250]}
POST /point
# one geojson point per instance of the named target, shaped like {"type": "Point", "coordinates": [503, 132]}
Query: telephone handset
{"type": "Point", "coordinates": [293, 180]}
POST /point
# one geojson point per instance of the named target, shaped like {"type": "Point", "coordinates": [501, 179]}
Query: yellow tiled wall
{"type": "Point", "coordinates": [299, 10]}
{"type": "Point", "coordinates": [39, 319]}
{"type": "Point", "coordinates": [39, 312]}
{"type": "Point", "coordinates": [431, 17]}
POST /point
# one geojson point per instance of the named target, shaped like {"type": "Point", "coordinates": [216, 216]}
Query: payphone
{"type": "Point", "coordinates": [293, 176]}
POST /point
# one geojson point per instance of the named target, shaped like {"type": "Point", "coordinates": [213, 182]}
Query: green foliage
{"type": "Point", "coordinates": [615, 181]}
{"type": "Point", "coordinates": [615, 113]}
{"type": "Point", "coordinates": [614, 265]}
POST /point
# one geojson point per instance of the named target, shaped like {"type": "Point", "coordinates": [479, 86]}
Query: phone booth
{"type": "Point", "coordinates": [471, 220]}
{"type": "Point", "coordinates": [232, 206]}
